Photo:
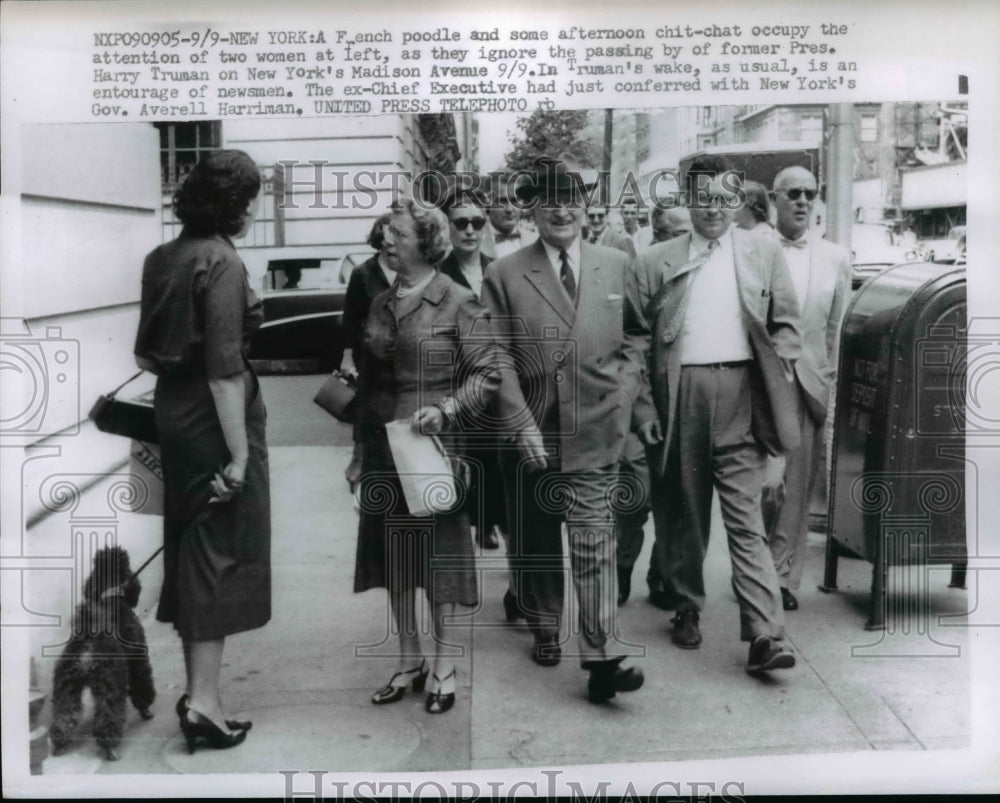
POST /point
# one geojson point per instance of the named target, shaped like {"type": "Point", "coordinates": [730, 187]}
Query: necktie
{"type": "Point", "coordinates": [799, 243]}
{"type": "Point", "coordinates": [674, 324]}
{"type": "Point", "coordinates": [566, 276]}
{"type": "Point", "coordinates": [500, 237]}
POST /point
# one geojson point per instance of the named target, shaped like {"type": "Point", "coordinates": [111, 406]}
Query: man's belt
{"type": "Point", "coordinates": [733, 364]}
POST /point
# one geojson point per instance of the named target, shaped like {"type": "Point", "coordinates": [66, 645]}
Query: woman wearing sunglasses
{"type": "Point", "coordinates": [466, 213]}
{"type": "Point", "coordinates": [466, 264]}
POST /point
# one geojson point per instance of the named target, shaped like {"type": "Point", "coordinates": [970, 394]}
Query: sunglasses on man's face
{"type": "Point", "coordinates": [595, 215]}
{"type": "Point", "coordinates": [794, 195]}
{"type": "Point", "coordinates": [462, 223]}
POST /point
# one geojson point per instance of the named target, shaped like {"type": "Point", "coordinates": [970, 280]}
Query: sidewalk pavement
{"type": "Point", "coordinates": [306, 678]}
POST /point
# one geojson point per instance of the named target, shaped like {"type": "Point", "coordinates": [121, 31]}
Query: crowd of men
{"type": "Point", "coordinates": [668, 362]}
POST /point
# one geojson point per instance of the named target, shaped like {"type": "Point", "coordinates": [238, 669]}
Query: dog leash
{"type": "Point", "coordinates": [117, 591]}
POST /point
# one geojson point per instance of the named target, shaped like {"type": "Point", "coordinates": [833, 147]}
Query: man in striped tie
{"type": "Point", "coordinates": [721, 327]}
{"type": "Point", "coordinates": [559, 308]}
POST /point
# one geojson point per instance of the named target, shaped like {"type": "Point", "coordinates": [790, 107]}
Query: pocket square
{"type": "Point", "coordinates": [615, 297]}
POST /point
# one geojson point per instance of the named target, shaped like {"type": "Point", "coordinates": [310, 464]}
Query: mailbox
{"type": "Point", "coordinates": [898, 473]}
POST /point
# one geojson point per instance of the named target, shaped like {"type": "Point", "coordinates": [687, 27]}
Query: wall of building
{"type": "Point", "coordinates": [88, 202]}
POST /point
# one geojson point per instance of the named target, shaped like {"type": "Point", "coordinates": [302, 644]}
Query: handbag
{"type": "Point", "coordinates": [132, 418]}
{"type": "Point", "coordinates": [336, 396]}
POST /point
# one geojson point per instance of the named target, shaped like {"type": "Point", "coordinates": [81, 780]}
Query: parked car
{"type": "Point", "coordinates": [873, 249]}
{"type": "Point", "coordinates": [303, 301]}
{"type": "Point", "coordinates": [946, 250]}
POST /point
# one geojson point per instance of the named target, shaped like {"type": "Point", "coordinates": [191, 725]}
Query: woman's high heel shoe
{"type": "Point", "coordinates": [436, 702]}
{"type": "Point", "coordinates": [195, 726]}
{"type": "Point", "coordinates": [391, 694]}
{"type": "Point", "coordinates": [233, 724]}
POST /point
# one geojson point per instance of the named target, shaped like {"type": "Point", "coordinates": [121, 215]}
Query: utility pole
{"type": "Point", "coordinates": [839, 173]}
{"type": "Point", "coordinates": [609, 124]}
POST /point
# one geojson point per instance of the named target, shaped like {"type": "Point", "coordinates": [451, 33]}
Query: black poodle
{"type": "Point", "coordinates": [107, 652]}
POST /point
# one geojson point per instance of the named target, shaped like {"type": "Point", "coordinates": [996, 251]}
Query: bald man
{"type": "Point", "coordinates": [821, 276]}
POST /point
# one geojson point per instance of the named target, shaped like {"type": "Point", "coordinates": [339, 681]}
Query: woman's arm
{"type": "Point", "coordinates": [228, 394]}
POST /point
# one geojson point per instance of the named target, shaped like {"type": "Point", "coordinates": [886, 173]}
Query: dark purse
{"type": "Point", "coordinates": [336, 396]}
{"type": "Point", "coordinates": [131, 418]}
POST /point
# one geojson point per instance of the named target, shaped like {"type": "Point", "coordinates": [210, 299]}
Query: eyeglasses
{"type": "Point", "coordinates": [596, 215]}
{"type": "Point", "coordinates": [462, 223]}
{"type": "Point", "coordinates": [793, 195]}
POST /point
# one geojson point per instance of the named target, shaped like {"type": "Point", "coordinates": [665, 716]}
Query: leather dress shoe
{"type": "Point", "coordinates": [607, 678]}
{"type": "Point", "coordinates": [767, 654]}
{"type": "Point", "coordinates": [788, 600]}
{"type": "Point", "coordinates": [686, 633]}
{"type": "Point", "coordinates": [624, 584]}
{"type": "Point", "coordinates": [511, 608]}
{"type": "Point", "coordinates": [546, 651]}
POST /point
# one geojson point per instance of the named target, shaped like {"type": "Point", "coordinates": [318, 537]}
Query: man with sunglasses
{"type": "Point", "coordinates": [603, 234]}
{"type": "Point", "coordinates": [559, 310]}
{"type": "Point", "coordinates": [720, 327]}
{"type": "Point", "coordinates": [821, 276]}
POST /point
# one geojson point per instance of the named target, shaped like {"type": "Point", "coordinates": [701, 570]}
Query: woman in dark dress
{"type": "Point", "coordinates": [427, 357]}
{"type": "Point", "coordinates": [197, 313]}
{"type": "Point", "coordinates": [370, 278]}
{"type": "Point", "coordinates": [466, 264]}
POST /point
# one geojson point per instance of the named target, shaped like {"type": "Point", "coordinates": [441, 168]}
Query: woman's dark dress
{"type": "Point", "coordinates": [488, 502]}
{"type": "Point", "coordinates": [197, 312]}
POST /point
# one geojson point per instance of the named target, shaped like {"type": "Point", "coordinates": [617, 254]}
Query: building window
{"type": "Point", "coordinates": [811, 127]}
{"type": "Point", "coordinates": [182, 145]}
{"type": "Point", "coordinates": [869, 128]}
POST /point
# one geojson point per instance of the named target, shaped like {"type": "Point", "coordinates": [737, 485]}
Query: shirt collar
{"type": "Point", "coordinates": [573, 252]}
{"type": "Point", "coordinates": [699, 243]}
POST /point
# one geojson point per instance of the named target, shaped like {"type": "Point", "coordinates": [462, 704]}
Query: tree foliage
{"type": "Point", "coordinates": [549, 133]}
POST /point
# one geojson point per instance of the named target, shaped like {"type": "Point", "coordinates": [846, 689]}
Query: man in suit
{"type": "Point", "coordinates": [558, 306]}
{"type": "Point", "coordinates": [631, 226]}
{"type": "Point", "coordinates": [504, 234]}
{"type": "Point", "coordinates": [630, 519]}
{"type": "Point", "coordinates": [721, 324]}
{"type": "Point", "coordinates": [821, 276]}
{"type": "Point", "coordinates": [602, 234]}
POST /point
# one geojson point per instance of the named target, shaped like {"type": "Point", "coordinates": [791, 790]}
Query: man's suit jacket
{"type": "Point", "coordinates": [824, 307]}
{"type": "Point", "coordinates": [770, 314]}
{"type": "Point", "coordinates": [366, 282]}
{"type": "Point", "coordinates": [610, 238]}
{"type": "Point", "coordinates": [569, 366]}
